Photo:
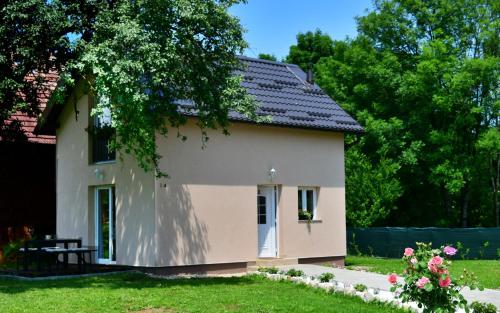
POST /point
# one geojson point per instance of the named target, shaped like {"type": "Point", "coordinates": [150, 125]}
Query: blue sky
{"type": "Point", "coordinates": [273, 24]}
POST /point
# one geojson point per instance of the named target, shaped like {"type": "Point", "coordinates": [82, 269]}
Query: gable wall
{"type": "Point", "coordinates": [76, 180]}
{"type": "Point", "coordinates": [207, 210]}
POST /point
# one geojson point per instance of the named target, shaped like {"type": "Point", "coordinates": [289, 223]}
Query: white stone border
{"type": "Point", "coordinates": [371, 294]}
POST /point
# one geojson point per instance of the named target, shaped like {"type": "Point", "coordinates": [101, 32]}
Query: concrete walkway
{"type": "Point", "coordinates": [379, 281]}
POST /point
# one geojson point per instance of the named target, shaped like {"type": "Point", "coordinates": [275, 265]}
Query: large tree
{"type": "Point", "coordinates": [424, 78]}
{"type": "Point", "coordinates": [138, 58]}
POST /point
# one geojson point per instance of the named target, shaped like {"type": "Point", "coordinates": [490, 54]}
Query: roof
{"type": "Point", "coordinates": [29, 123]}
{"type": "Point", "coordinates": [282, 93]}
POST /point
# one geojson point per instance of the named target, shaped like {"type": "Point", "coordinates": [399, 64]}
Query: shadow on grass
{"type": "Point", "coordinates": [117, 281]}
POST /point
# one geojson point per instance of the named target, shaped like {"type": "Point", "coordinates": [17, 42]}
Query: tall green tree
{"type": "Point", "coordinates": [489, 148]}
{"type": "Point", "coordinates": [137, 57]}
{"type": "Point", "coordinates": [433, 66]}
{"type": "Point", "coordinates": [310, 47]}
{"type": "Point", "coordinates": [33, 42]}
{"type": "Point", "coordinates": [266, 56]}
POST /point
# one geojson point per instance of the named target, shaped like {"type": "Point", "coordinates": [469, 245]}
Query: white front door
{"type": "Point", "coordinates": [266, 220]}
{"type": "Point", "coordinates": [105, 235]}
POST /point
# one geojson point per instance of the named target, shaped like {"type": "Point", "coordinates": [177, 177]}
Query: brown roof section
{"type": "Point", "coordinates": [28, 123]}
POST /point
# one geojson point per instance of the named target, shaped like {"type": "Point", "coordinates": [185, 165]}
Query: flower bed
{"type": "Point", "coordinates": [428, 282]}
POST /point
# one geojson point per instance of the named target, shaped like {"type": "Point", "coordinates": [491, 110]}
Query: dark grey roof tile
{"type": "Point", "coordinates": [284, 95]}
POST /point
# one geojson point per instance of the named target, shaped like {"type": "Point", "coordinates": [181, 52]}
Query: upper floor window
{"type": "Point", "coordinates": [101, 136]}
{"type": "Point", "coordinates": [307, 203]}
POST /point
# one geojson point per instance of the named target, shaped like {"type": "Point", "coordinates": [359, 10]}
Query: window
{"type": "Point", "coordinates": [101, 135]}
{"type": "Point", "coordinates": [105, 224]}
{"type": "Point", "coordinates": [261, 210]}
{"type": "Point", "coordinates": [307, 203]}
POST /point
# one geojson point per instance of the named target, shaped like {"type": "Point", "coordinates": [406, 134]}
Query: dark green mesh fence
{"type": "Point", "coordinates": [480, 243]}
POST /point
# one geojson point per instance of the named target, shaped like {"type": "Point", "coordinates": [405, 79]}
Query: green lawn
{"type": "Point", "coordinates": [138, 293]}
{"type": "Point", "coordinates": [487, 271]}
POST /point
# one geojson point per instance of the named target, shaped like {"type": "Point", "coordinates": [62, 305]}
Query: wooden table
{"type": "Point", "coordinates": [36, 247]}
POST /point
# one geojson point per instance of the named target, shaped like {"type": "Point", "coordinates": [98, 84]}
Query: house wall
{"type": "Point", "coordinates": [205, 213]}
{"type": "Point", "coordinates": [206, 210]}
{"type": "Point", "coordinates": [76, 180]}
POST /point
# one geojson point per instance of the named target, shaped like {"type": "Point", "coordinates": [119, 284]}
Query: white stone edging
{"type": "Point", "coordinates": [371, 294]}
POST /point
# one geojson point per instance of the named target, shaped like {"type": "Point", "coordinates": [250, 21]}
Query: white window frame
{"type": "Point", "coordinates": [304, 190]}
{"type": "Point", "coordinates": [111, 190]}
{"type": "Point", "coordinates": [103, 118]}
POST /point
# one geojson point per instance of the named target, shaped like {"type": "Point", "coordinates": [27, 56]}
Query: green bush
{"type": "Point", "coordinates": [270, 270]}
{"type": "Point", "coordinates": [427, 280]}
{"type": "Point", "coordinates": [482, 249]}
{"type": "Point", "coordinates": [326, 277]}
{"type": "Point", "coordinates": [294, 273]}
{"type": "Point", "coordinates": [354, 246]}
{"type": "Point", "coordinates": [480, 307]}
{"type": "Point", "coordinates": [360, 287]}
{"type": "Point", "coordinates": [464, 252]}
{"type": "Point", "coordinates": [10, 250]}
{"type": "Point", "coordinates": [305, 216]}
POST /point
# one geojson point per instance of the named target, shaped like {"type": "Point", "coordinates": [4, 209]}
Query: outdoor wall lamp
{"type": "Point", "coordinates": [99, 174]}
{"type": "Point", "coordinates": [272, 174]}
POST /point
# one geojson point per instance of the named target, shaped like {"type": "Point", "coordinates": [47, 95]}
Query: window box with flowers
{"type": "Point", "coordinates": [307, 203]}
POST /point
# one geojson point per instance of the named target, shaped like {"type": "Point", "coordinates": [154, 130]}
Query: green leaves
{"type": "Point", "coordinates": [142, 56]}
{"type": "Point", "coordinates": [422, 77]}
{"type": "Point", "coordinates": [146, 55]}
{"type": "Point", "coordinates": [33, 43]}
{"type": "Point", "coordinates": [428, 287]}
{"type": "Point", "coordinates": [311, 46]}
{"type": "Point", "coordinates": [429, 284]}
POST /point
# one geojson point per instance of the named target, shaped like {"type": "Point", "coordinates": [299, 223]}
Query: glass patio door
{"type": "Point", "coordinates": [105, 214]}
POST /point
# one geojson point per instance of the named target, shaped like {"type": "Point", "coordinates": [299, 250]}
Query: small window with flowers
{"type": "Point", "coordinates": [307, 199]}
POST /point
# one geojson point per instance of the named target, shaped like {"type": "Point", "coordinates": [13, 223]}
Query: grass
{"type": "Point", "coordinates": [487, 271]}
{"type": "Point", "coordinates": [134, 292]}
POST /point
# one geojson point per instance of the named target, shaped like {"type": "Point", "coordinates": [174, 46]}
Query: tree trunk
{"type": "Point", "coordinates": [495, 183]}
{"type": "Point", "coordinates": [465, 206]}
{"type": "Point", "coordinates": [448, 209]}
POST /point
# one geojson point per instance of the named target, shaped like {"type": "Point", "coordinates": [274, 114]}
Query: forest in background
{"type": "Point", "coordinates": [423, 78]}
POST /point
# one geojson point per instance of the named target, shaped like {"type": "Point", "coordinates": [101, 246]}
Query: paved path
{"type": "Point", "coordinates": [379, 281]}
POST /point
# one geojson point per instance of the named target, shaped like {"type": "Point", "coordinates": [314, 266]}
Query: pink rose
{"type": "Point", "coordinates": [413, 261]}
{"type": "Point", "coordinates": [393, 278]}
{"type": "Point", "coordinates": [443, 283]}
{"type": "Point", "coordinates": [442, 271]}
{"type": "Point", "coordinates": [422, 282]}
{"type": "Point", "coordinates": [437, 260]}
{"type": "Point", "coordinates": [408, 252]}
{"type": "Point", "coordinates": [434, 263]}
{"type": "Point", "coordinates": [448, 250]}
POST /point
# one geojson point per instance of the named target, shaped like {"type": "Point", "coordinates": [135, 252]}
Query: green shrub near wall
{"type": "Point", "coordinates": [475, 243]}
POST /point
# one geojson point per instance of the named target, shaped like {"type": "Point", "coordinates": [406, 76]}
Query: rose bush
{"type": "Point", "coordinates": [428, 282]}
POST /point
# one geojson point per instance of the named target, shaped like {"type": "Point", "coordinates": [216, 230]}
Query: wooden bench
{"type": "Point", "coordinates": [81, 253]}
{"type": "Point", "coordinates": [48, 251]}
